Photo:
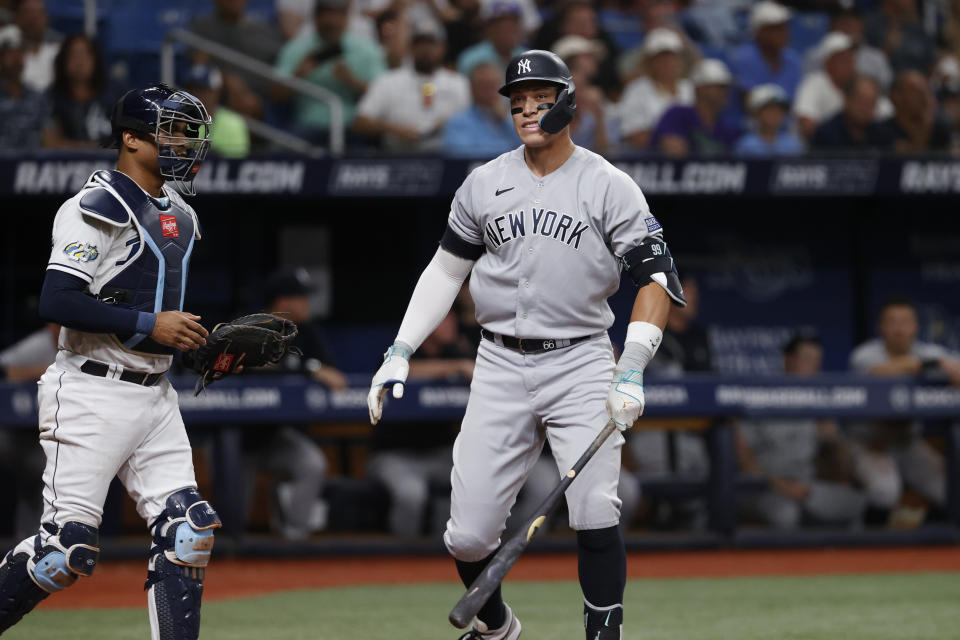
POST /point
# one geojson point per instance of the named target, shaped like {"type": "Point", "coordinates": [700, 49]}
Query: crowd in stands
{"type": "Point", "coordinates": [670, 77]}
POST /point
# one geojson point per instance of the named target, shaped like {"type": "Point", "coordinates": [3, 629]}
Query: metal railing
{"type": "Point", "coordinates": [265, 71]}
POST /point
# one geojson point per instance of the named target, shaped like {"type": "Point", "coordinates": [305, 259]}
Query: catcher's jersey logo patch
{"type": "Point", "coordinates": [81, 252]}
{"type": "Point", "coordinates": [168, 226]}
{"type": "Point", "coordinates": [224, 362]}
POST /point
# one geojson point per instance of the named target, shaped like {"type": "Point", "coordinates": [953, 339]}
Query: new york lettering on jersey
{"type": "Point", "coordinates": [541, 221]}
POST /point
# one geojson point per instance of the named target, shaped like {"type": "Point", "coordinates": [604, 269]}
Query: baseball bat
{"type": "Point", "coordinates": [479, 592]}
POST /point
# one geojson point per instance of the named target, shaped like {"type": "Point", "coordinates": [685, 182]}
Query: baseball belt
{"type": "Point", "coordinates": [532, 345]}
{"type": "Point", "coordinates": [94, 368]}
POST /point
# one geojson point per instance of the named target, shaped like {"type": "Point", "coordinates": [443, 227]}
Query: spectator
{"type": "Point", "coordinates": [788, 452]}
{"type": "Point", "coordinates": [502, 36]}
{"type": "Point", "coordinates": [393, 33]}
{"type": "Point", "coordinates": [698, 130]}
{"type": "Point", "coordinates": [892, 455]}
{"type": "Point", "coordinates": [821, 95]}
{"type": "Point", "coordinates": [230, 136]}
{"type": "Point", "coordinates": [23, 111]}
{"type": "Point", "coordinates": [485, 129]}
{"type": "Point", "coordinates": [769, 106]}
{"type": "Point", "coordinates": [20, 453]}
{"type": "Point", "coordinates": [40, 44]}
{"type": "Point", "coordinates": [408, 107]}
{"type": "Point", "coordinates": [81, 101]}
{"type": "Point", "coordinates": [895, 28]}
{"type": "Point", "coordinates": [949, 95]}
{"type": "Point", "coordinates": [464, 29]}
{"type": "Point", "coordinates": [768, 59]}
{"type": "Point", "coordinates": [286, 451]}
{"type": "Point", "coordinates": [645, 99]}
{"type": "Point", "coordinates": [579, 18]}
{"type": "Point", "coordinates": [916, 126]}
{"type": "Point", "coordinates": [293, 18]}
{"type": "Point", "coordinates": [594, 125]}
{"type": "Point", "coordinates": [410, 458]}
{"type": "Point", "coordinates": [854, 128]}
{"type": "Point", "coordinates": [870, 61]}
{"type": "Point", "coordinates": [230, 26]}
{"type": "Point", "coordinates": [333, 59]}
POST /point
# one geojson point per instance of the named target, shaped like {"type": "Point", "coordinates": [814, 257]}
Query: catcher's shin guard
{"type": "Point", "coordinates": [18, 592]}
{"type": "Point", "coordinates": [182, 543]}
{"type": "Point", "coordinates": [31, 571]}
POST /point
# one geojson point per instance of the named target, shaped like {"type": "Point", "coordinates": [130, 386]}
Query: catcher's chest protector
{"type": "Point", "coordinates": [155, 272]}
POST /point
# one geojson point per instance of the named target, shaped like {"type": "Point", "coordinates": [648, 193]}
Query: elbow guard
{"type": "Point", "coordinates": [650, 261]}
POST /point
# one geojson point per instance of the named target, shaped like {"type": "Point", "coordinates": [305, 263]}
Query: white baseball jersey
{"type": "Point", "coordinates": [552, 243]}
{"type": "Point", "coordinates": [96, 251]}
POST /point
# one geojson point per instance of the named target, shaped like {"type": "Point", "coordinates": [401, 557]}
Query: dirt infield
{"type": "Point", "coordinates": [120, 584]}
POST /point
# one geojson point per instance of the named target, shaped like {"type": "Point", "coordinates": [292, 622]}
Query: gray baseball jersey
{"type": "Point", "coordinates": [551, 244]}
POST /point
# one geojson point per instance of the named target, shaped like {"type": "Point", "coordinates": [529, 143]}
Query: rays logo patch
{"type": "Point", "coordinates": [652, 224]}
{"type": "Point", "coordinates": [81, 252]}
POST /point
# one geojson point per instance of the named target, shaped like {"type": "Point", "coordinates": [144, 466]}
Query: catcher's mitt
{"type": "Point", "coordinates": [251, 341]}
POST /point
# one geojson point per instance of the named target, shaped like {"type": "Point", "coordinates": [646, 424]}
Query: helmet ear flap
{"type": "Point", "coordinates": [561, 113]}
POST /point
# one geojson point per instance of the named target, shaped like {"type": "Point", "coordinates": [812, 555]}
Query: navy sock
{"type": "Point", "coordinates": [492, 613]}
{"type": "Point", "coordinates": [602, 565]}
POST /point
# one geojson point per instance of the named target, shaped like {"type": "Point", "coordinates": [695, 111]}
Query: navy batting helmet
{"type": "Point", "coordinates": [179, 123]}
{"type": "Point", "coordinates": [545, 66]}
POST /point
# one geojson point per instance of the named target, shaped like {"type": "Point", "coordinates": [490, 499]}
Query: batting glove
{"type": "Point", "coordinates": [393, 372]}
{"type": "Point", "coordinates": [625, 399]}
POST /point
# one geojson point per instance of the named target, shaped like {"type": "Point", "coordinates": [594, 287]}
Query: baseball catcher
{"type": "Point", "coordinates": [255, 340]}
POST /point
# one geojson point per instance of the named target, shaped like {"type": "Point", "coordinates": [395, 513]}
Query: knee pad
{"type": "Point", "coordinates": [71, 551]}
{"type": "Point", "coordinates": [466, 547]}
{"type": "Point", "coordinates": [184, 530]}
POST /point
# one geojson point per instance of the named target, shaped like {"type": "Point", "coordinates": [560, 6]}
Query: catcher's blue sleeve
{"type": "Point", "coordinates": [64, 300]}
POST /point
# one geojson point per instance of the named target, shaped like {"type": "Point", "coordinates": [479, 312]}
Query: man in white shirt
{"type": "Point", "coordinates": [408, 107]}
{"type": "Point", "coordinates": [820, 96]}
{"type": "Point", "coordinates": [646, 98]}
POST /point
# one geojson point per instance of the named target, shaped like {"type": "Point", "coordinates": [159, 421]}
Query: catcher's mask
{"type": "Point", "coordinates": [180, 126]}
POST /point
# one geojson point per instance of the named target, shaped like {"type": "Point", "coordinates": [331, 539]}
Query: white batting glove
{"type": "Point", "coordinates": [625, 398]}
{"type": "Point", "coordinates": [393, 372]}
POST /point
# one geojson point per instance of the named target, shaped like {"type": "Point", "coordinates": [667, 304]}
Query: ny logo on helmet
{"type": "Point", "coordinates": [523, 66]}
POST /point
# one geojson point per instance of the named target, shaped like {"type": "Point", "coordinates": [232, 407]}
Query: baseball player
{"type": "Point", "coordinates": [116, 281]}
{"type": "Point", "coordinates": [546, 230]}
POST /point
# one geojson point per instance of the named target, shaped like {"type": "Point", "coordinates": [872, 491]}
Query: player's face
{"type": "Point", "coordinates": [524, 100]}
{"type": "Point", "coordinates": [898, 328]}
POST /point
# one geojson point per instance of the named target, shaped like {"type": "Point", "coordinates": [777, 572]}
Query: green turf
{"type": "Point", "coordinates": [875, 607]}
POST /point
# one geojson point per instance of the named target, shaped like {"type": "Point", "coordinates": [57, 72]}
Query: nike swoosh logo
{"type": "Point", "coordinates": [499, 191]}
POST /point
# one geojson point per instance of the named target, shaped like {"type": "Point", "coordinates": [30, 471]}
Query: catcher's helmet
{"type": "Point", "coordinates": [546, 66]}
{"type": "Point", "coordinates": [156, 110]}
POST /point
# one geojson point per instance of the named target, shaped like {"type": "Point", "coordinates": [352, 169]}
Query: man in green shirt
{"type": "Point", "coordinates": [332, 58]}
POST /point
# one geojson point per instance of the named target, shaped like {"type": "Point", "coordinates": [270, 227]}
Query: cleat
{"type": "Point", "coordinates": [509, 631]}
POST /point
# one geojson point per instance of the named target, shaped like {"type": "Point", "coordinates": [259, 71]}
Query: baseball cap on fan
{"type": "Point", "coordinates": [574, 45]}
{"type": "Point", "coordinates": [427, 30]}
{"type": "Point", "coordinates": [710, 71]}
{"type": "Point", "coordinates": [10, 37]}
{"type": "Point", "coordinates": [833, 43]}
{"type": "Point", "coordinates": [493, 9]}
{"type": "Point", "coordinates": [289, 281]}
{"type": "Point", "coordinates": [660, 40]}
{"type": "Point", "coordinates": [766, 94]}
{"type": "Point", "coordinates": [768, 13]}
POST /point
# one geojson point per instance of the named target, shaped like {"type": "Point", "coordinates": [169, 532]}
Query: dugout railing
{"type": "Point", "coordinates": [224, 410]}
